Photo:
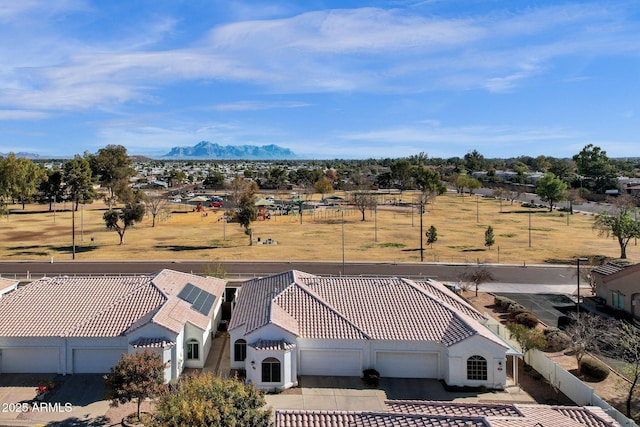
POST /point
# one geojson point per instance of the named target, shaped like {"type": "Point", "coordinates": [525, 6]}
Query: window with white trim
{"type": "Point", "coordinates": [271, 370]}
{"type": "Point", "coordinates": [477, 368]}
{"type": "Point", "coordinates": [239, 350]}
{"type": "Point", "coordinates": [193, 350]}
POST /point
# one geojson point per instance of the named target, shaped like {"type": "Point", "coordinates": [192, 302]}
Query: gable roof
{"type": "Point", "coordinates": [100, 306]}
{"type": "Point", "coordinates": [450, 414]}
{"type": "Point", "coordinates": [356, 308]}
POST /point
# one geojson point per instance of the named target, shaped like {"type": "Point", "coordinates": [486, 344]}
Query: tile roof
{"type": "Point", "coordinates": [449, 414]}
{"type": "Point", "coordinates": [451, 408]}
{"type": "Point", "coordinates": [509, 414]}
{"type": "Point", "coordinates": [253, 309]}
{"type": "Point", "coordinates": [152, 343]}
{"type": "Point", "coordinates": [176, 312]}
{"type": "Point", "coordinates": [78, 306]}
{"type": "Point", "coordinates": [356, 308]}
{"type": "Point", "coordinates": [608, 269]}
{"type": "Point", "coordinates": [99, 306]}
{"type": "Point", "coordinates": [272, 345]}
{"type": "Point", "coordinates": [327, 418]}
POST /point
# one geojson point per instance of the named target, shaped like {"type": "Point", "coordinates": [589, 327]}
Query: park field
{"type": "Point", "coordinates": [391, 234]}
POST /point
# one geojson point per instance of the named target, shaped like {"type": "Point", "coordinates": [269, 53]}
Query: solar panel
{"type": "Point", "coordinates": [184, 293]}
{"type": "Point", "coordinates": [200, 300]}
{"type": "Point", "coordinates": [208, 303]}
{"type": "Point", "coordinates": [197, 303]}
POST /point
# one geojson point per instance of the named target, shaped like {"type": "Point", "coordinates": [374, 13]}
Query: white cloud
{"type": "Point", "coordinates": [23, 115]}
{"type": "Point", "coordinates": [343, 50]}
{"type": "Point", "coordinates": [257, 105]}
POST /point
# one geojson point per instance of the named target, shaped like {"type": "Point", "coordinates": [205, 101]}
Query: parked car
{"type": "Point", "coordinates": [216, 204]}
{"type": "Point", "coordinates": [176, 200]}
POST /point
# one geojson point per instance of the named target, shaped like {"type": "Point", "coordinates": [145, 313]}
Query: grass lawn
{"type": "Point", "coordinates": [393, 234]}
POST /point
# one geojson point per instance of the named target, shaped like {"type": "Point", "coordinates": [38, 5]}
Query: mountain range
{"type": "Point", "coordinates": [209, 150]}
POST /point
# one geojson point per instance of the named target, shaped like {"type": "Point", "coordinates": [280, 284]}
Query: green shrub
{"type": "Point", "coordinates": [371, 377]}
{"type": "Point", "coordinates": [516, 311]}
{"type": "Point", "coordinates": [593, 369]}
{"type": "Point", "coordinates": [513, 306]}
{"type": "Point", "coordinates": [557, 340]}
{"type": "Point", "coordinates": [501, 302]}
{"type": "Point", "coordinates": [526, 319]}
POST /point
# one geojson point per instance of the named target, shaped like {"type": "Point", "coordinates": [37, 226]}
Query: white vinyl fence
{"type": "Point", "coordinates": [561, 379]}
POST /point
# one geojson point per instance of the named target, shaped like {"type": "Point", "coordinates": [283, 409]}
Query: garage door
{"type": "Point", "coordinates": [37, 360]}
{"type": "Point", "coordinates": [95, 361]}
{"type": "Point", "coordinates": [342, 363]}
{"type": "Point", "coordinates": [407, 365]}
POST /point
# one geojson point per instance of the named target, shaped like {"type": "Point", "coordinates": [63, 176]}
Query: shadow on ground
{"type": "Point", "coordinates": [181, 248]}
{"type": "Point", "coordinates": [77, 422]}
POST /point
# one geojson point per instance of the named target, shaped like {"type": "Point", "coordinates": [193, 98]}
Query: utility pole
{"type": "Point", "coordinates": [421, 239]}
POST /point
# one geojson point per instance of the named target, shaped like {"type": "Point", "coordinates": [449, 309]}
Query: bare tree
{"type": "Point", "coordinates": [628, 345]}
{"type": "Point", "coordinates": [158, 207]}
{"type": "Point", "coordinates": [477, 276]}
{"type": "Point", "coordinates": [363, 200]}
{"type": "Point", "coordinates": [589, 333]}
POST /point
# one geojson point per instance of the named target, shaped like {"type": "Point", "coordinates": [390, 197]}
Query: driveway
{"type": "Point", "coordinates": [77, 400]}
{"type": "Point", "coordinates": [350, 393]}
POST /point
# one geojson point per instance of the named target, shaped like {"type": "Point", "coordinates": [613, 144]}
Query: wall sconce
{"type": "Point", "coordinates": [253, 364]}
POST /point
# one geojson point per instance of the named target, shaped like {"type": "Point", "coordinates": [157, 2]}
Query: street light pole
{"type": "Point", "coordinates": [578, 304]}
{"type": "Point", "coordinates": [342, 210]}
{"type": "Point", "coordinates": [421, 239]}
{"type": "Point", "coordinates": [477, 209]}
{"type": "Point", "coordinates": [529, 225]}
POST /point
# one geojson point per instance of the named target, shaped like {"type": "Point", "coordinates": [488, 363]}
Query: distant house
{"type": "Point", "coordinates": [84, 324]}
{"type": "Point", "coordinates": [295, 323]}
{"type": "Point", "coordinates": [619, 286]}
{"type": "Point", "coordinates": [7, 286]}
{"type": "Point", "coordinates": [417, 413]}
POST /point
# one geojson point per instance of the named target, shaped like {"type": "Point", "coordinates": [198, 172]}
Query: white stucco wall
{"type": "Point", "coordinates": [288, 368]}
{"type": "Point", "coordinates": [494, 354]}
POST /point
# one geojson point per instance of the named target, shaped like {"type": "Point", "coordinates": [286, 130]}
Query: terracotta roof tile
{"type": "Point", "coordinates": [78, 306]}
{"type": "Point", "coordinates": [152, 343]}
{"type": "Point", "coordinates": [324, 418]}
{"type": "Point", "coordinates": [391, 309]}
{"type": "Point", "coordinates": [266, 345]}
{"type": "Point", "coordinates": [92, 306]}
{"type": "Point", "coordinates": [449, 414]}
{"type": "Point", "coordinates": [356, 308]}
{"type": "Point", "coordinates": [451, 408]}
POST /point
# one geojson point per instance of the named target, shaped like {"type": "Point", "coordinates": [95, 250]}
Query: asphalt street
{"type": "Point", "coordinates": [515, 277]}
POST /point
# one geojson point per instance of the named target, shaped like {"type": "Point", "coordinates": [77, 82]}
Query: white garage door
{"type": "Point", "coordinates": [38, 360]}
{"type": "Point", "coordinates": [407, 365]}
{"type": "Point", "coordinates": [95, 361]}
{"type": "Point", "coordinates": [341, 363]}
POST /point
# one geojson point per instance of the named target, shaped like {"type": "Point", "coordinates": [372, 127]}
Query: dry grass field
{"type": "Point", "coordinates": [393, 235]}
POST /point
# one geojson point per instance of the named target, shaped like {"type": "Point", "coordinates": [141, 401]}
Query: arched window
{"type": "Point", "coordinates": [271, 370]}
{"type": "Point", "coordinates": [239, 350]}
{"type": "Point", "coordinates": [476, 368]}
{"type": "Point", "coordinates": [193, 350]}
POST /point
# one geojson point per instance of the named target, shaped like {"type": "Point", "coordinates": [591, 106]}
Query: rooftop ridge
{"type": "Point", "coordinates": [464, 318]}
{"type": "Point", "coordinates": [115, 303]}
{"type": "Point", "coordinates": [306, 288]}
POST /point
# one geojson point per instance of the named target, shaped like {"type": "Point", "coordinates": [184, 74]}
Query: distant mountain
{"type": "Point", "coordinates": [208, 150]}
{"type": "Point", "coordinates": [32, 156]}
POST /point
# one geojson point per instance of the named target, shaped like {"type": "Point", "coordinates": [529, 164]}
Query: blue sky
{"type": "Point", "coordinates": [327, 79]}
